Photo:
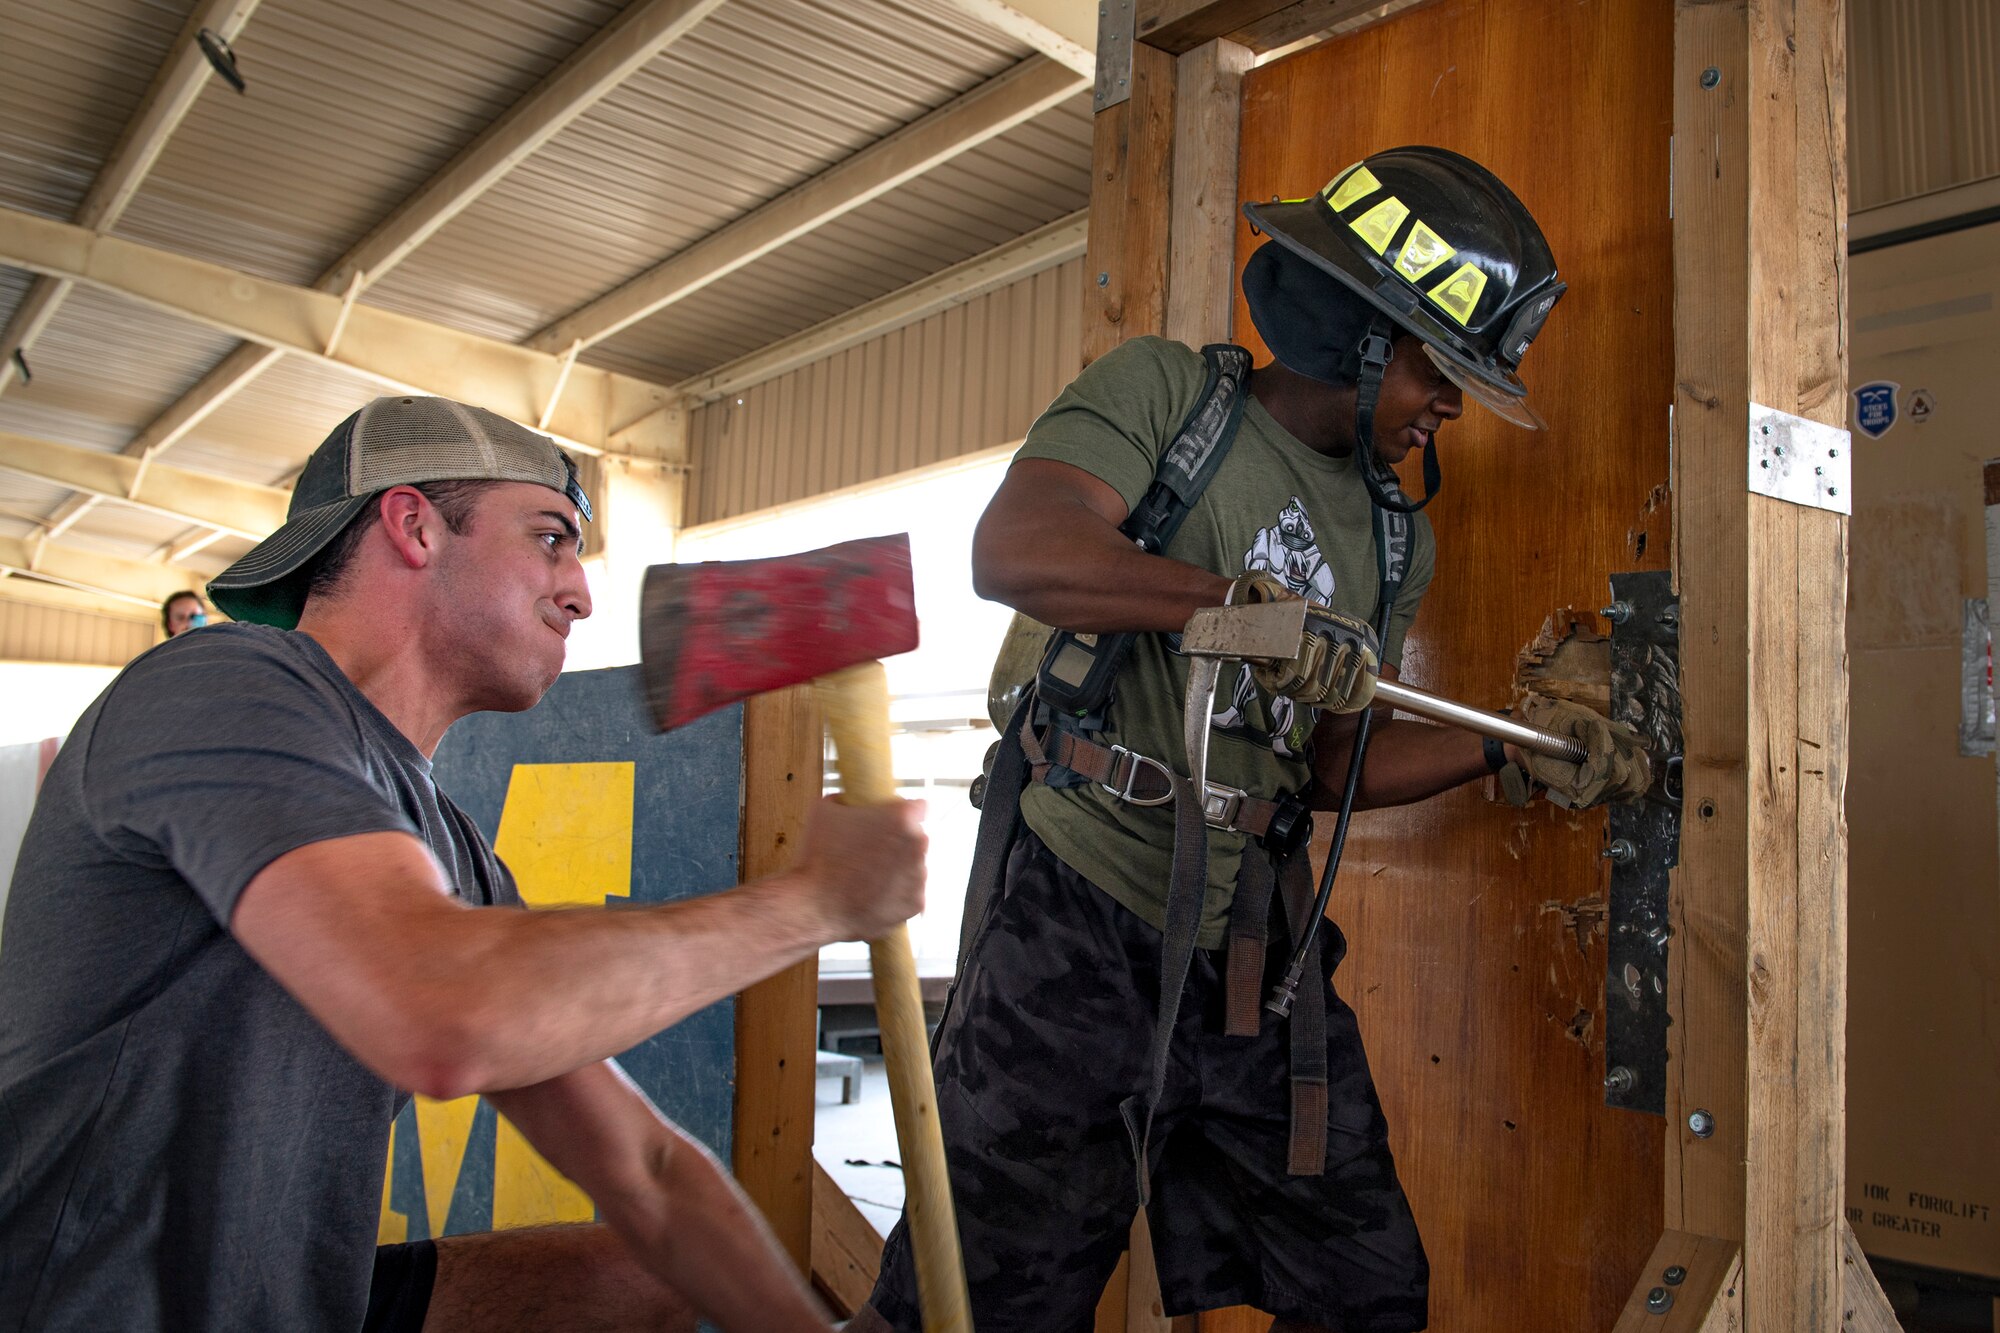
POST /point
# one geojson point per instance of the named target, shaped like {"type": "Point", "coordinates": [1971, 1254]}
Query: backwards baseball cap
{"type": "Point", "coordinates": [390, 442]}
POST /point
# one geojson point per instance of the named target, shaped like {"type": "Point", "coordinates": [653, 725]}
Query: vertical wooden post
{"type": "Point", "coordinates": [1759, 957]}
{"type": "Point", "coordinates": [1201, 257]}
{"type": "Point", "coordinates": [782, 766]}
{"type": "Point", "coordinates": [1131, 182]}
{"type": "Point", "coordinates": [1161, 260]}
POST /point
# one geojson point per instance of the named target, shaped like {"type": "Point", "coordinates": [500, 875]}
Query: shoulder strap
{"type": "Point", "coordinates": [1393, 533]}
{"type": "Point", "coordinates": [1195, 455]}
{"type": "Point", "coordinates": [1077, 671]}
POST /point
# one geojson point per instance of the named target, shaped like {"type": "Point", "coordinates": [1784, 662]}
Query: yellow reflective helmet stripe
{"type": "Point", "coordinates": [1459, 293]}
{"type": "Point", "coordinates": [1378, 225]}
{"type": "Point", "coordinates": [1422, 252]}
{"type": "Point", "coordinates": [1357, 183]}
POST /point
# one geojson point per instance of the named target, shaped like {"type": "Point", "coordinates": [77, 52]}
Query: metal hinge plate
{"type": "Point", "coordinates": [1800, 460]}
{"type": "Point", "coordinates": [1115, 19]}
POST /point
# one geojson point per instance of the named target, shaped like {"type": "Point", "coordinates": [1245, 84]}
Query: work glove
{"type": "Point", "coordinates": [1338, 655]}
{"type": "Point", "coordinates": [1616, 769]}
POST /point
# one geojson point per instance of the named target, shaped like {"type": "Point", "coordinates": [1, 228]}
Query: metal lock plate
{"type": "Point", "coordinates": [1645, 695]}
{"type": "Point", "coordinates": [1115, 19]}
{"type": "Point", "coordinates": [1797, 459]}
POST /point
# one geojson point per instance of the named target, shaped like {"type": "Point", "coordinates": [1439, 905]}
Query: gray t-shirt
{"type": "Point", "coordinates": [181, 1144]}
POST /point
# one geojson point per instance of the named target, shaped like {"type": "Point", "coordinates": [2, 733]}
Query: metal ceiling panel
{"type": "Point", "coordinates": [104, 369]}
{"type": "Point", "coordinates": [265, 432]}
{"type": "Point", "coordinates": [71, 74]}
{"type": "Point", "coordinates": [1013, 184]}
{"type": "Point", "coordinates": [351, 106]}
{"type": "Point", "coordinates": [763, 95]}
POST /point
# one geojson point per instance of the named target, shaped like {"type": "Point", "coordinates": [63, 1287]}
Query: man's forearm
{"type": "Point", "coordinates": [567, 988]}
{"type": "Point", "coordinates": [717, 1251]}
{"type": "Point", "coordinates": [1407, 762]}
{"type": "Point", "coordinates": [1085, 584]}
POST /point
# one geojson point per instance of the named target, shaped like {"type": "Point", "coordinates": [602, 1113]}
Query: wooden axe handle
{"type": "Point", "coordinates": [855, 703]}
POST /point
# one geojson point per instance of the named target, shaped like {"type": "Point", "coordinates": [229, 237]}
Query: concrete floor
{"type": "Point", "coordinates": [861, 1131]}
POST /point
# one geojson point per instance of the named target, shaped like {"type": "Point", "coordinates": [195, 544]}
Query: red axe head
{"type": "Point", "coordinates": [713, 633]}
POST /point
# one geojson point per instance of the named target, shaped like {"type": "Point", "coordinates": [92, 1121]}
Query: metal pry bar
{"type": "Point", "coordinates": [1271, 631]}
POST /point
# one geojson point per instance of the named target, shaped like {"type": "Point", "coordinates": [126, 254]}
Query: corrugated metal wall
{"type": "Point", "coordinates": [1923, 97]}
{"type": "Point", "coordinates": [964, 380]}
{"type": "Point", "coordinates": [52, 634]}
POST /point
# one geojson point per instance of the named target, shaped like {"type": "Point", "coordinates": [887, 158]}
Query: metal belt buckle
{"type": "Point", "coordinates": [1132, 776]}
{"type": "Point", "coordinates": [1220, 805]}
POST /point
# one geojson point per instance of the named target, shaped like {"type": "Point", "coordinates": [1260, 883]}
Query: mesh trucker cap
{"type": "Point", "coordinates": [390, 442]}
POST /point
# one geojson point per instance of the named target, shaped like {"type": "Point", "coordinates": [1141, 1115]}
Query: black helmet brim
{"type": "Point", "coordinates": [1310, 229]}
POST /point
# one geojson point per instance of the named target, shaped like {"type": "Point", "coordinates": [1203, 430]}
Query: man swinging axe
{"type": "Point", "coordinates": [1121, 1030]}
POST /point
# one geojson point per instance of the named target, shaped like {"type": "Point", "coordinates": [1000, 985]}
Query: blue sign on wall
{"type": "Point", "coordinates": [1875, 408]}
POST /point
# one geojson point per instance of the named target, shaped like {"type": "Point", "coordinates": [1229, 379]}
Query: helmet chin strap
{"type": "Point", "coordinates": [1383, 488]}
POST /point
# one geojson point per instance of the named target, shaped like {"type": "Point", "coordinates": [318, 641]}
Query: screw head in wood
{"type": "Point", "coordinates": [1659, 1300]}
{"type": "Point", "coordinates": [1701, 1124]}
{"type": "Point", "coordinates": [1710, 77]}
{"type": "Point", "coordinates": [1674, 1276]}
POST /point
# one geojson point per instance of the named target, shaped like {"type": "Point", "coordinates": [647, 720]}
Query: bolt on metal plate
{"type": "Point", "coordinates": [1801, 461]}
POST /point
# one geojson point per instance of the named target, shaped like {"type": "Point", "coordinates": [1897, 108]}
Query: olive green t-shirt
{"type": "Point", "coordinates": [1274, 504]}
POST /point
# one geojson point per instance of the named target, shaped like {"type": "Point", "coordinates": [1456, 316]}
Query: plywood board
{"type": "Point", "coordinates": [1477, 953]}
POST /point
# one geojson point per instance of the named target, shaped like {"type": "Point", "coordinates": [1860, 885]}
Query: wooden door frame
{"type": "Point", "coordinates": [1753, 1209]}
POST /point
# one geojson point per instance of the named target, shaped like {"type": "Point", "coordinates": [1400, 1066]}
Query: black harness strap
{"type": "Point", "coordinates": [1184, 898]}
{"type": "Point", "coordinates": [1249, 943]}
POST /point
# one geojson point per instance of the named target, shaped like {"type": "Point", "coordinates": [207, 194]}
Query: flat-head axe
{"type": "Point", "coordinates": [715, 633]}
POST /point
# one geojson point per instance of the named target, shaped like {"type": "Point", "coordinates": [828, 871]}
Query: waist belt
{"type": "Point", "coordinates": [1278, 869]}
{"type": "Point", "coordinates": [1138, 779]}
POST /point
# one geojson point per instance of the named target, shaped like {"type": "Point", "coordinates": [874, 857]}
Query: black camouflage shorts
{"type": "Point", "coordinates": [1045, 1034]}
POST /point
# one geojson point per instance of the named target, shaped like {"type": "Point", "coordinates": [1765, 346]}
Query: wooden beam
{"type": "Point", "coordinates": [1691, 1284]}
{"type": "Point", "coordinates": [1024, 256]}
{"type": "Point", "coordinates": [137, 581]}
{"type": "Point", "coordinates": [1063, 30]}
{"type": "Point", "coordinates": [846, 1248]}
{"type": "Point", "coordinates": [239, 507]}
{"type": "Point", "coordinates": [1131, 173]}
{"type": "Point", "coordinates": [993, 108]}
{"type": "Point", "coordinates": [1759, 958]}
{"type": "Point", "coordinates": [1863, 1307]}
{"type": "Point", "coordinates": [774, 1019]}
{"type": "Point", "coordinates": [1296, 26]}
{"type": "Point", "coordinates": [175, 87]}
{"type": "Point", "coordinates": [1201, 262]}
{"type": "Point", "coordinates": [1175, 26]}
{"type": "Point", "coordinates": [620, 49]}
{"type": "Point", "coordinates": [597, 411]}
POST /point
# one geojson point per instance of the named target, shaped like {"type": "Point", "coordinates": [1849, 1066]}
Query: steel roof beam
{"type": "Point", "coordinates": [166, 103]}
{"type": "Point", "coordinates": [1022, 257]}
{"type": "Point", "coordinates": [239, 507]}
{"type": "Point", "coordinates": [620, 49]}
{"type": "Point", "coordinates": [598, 411]}
{"type": "Point", "coordinates": [1063, 30]}
{"type": "Point", "coordinates": [993, 108]}
{"type": "Point", "coordinates": [138, 581]}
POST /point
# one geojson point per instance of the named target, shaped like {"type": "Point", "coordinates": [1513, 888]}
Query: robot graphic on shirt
{"type": "Point", "coordinates": [1288, 550]}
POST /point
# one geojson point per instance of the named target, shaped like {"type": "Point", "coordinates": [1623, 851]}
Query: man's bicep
{"type": "Point", "coordinates": [350, 928]}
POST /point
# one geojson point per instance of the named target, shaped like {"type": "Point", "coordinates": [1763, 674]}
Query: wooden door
{"type": "Point", "coordinates": [1477, 946]}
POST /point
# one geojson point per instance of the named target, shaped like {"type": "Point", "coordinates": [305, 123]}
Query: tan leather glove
{"type": "Point", "coordinates": [1338, 655]}
{"type": "Point", "coordinates": [1616, 769]}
